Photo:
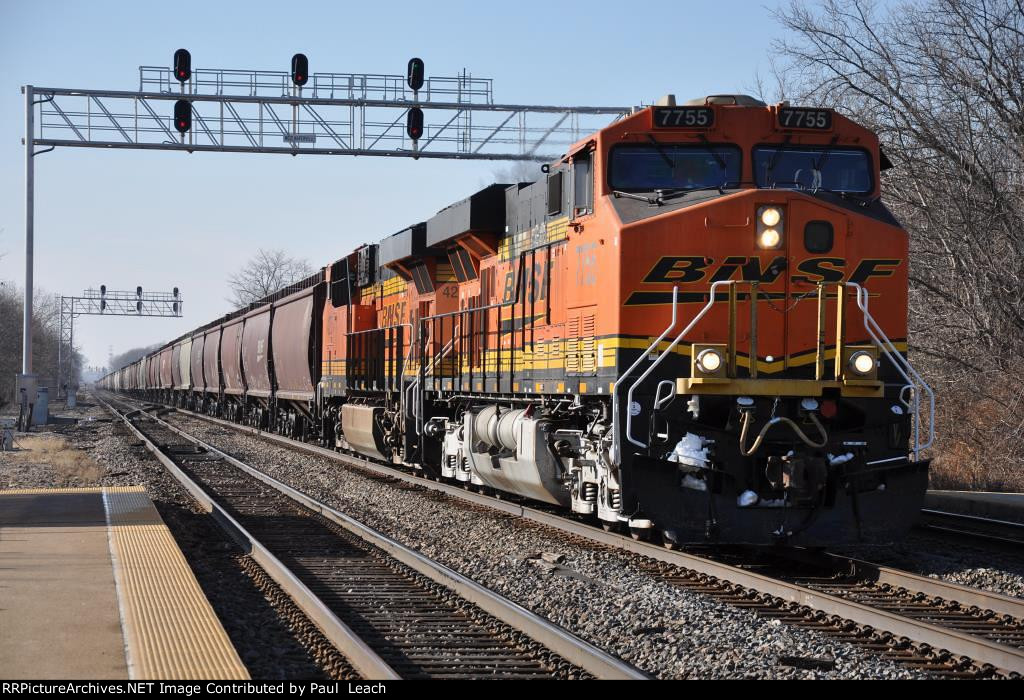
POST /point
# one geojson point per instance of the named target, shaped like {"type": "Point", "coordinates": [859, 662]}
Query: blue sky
{"type": "Point", "coordinates": [111, 217]}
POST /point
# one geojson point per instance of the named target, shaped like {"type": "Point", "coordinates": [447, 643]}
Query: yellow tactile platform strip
{"type": "Point", "coordinates": [171, 632]}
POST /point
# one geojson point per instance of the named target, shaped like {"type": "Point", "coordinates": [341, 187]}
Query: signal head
{"type": "Point", "coordinates": [300, 69]}
{"type": "Point", "coordinates": [414, 123]}
{"type": "Point", "coordinates": [415, 73]}
{"type": "Point", "coordinates": [182, 65]}
{"type": "Point", "coordinates": [182, 116]}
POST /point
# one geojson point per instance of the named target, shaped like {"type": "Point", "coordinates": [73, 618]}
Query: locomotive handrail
{"type": "Point", "coordinates": [448, 347]}
{"type": "Point", "coordinates": [661, 357]}
{"type": "Point", "coordinates": [661, 401]}
{"type": "Point", "coordinates": [399, 375]}
{"type": "Point", "coordinates": [414, 387]}
{"type": "Point", "coordinates": [917, 384]}
{"type": "Point", "coordinates": [616, 447]}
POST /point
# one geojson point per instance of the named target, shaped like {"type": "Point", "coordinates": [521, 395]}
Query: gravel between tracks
{"type": "Point", "coordinates": [599, 595]}
{"type": "Point", "coordinates": [951, 560]}
{"type": "Point", "coordinates": [274, 638]}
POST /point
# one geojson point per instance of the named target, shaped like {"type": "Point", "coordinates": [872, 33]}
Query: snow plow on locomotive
{"type": "Point", "coordinates": [695, 325]}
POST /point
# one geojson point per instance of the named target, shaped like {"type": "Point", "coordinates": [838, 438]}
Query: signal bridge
{"type": "Point", "coordinates": [329, 114]}
{"type": "Point", "coordinates": [101, 302]}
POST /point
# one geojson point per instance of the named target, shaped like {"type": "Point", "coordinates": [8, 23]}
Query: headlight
{"type": "Point", "coordinates": [769, 238]}
{"type": "Point", "coordinates": [770, 216]}
{"type": "Point", "coordinates": [862, 362]}
{"type": "Point", "coordinates": [709, 361]}
{"type": "Point", "coordinates": [771, 226]}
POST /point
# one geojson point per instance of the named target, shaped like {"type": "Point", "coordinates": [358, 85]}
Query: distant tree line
{"type": "Point", "coordinates": [129, 356]}
{"type": "Point", "coordinates": [45, 338]}
{"type": "Point", "coordinates": [940, 81]}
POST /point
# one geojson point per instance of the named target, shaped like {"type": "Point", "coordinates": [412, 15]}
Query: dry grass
{"type": "Point", "coordinates": [69, 465]}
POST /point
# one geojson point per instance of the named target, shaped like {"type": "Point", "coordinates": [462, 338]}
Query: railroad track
{"type": "Point", "coordinates": [946, 629]}
{"type": "Point", "coordinates": [1004, 533]}
{"type": "Point", "coordinates": [390, 610]}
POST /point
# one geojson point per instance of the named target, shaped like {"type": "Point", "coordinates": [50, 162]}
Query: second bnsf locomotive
{"type": "Point", "coordinates": [694, 325]}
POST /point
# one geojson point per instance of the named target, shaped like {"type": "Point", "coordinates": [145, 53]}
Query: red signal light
{"type": "Point", "coordinates": [300, 69]}
{"type": "Point", "coordinates": [182, 65]}
{"type": "Point", "coordinates": [183, 115]}
{"type": "Point", "coordinates": [414, 123]}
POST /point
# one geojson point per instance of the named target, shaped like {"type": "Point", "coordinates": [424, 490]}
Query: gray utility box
{"type": "Point", "coordinates": [41, 410]}
{"type": "Point", "coordinates": [7, 434]}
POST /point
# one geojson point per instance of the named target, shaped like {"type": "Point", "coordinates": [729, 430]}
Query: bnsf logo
{"type": "Point", "coordinates": [695, 268]}
{"type": "Point", "coordinates": [689, 269]}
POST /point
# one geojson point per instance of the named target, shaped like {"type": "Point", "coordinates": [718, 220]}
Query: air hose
{"type": "Point", "coordinates": [748, 417]}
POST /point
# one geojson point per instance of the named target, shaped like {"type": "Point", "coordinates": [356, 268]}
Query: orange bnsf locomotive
{"type": "Point", "coordinates": [695, 326]}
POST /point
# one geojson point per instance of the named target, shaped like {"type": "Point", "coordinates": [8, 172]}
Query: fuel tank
{"type": "Point", "coordinates": [509, 451]}
{"type": "Point", "coordinates": [362, 431]}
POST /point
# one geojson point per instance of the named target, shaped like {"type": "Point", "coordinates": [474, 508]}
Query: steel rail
{"type": "Point", "coordinates": [961, 524]}
{"type": "Point", "coordinates": [1004, 658]}
{"type": "Point", "coordinates": [965, 595]}
{"type": "Point", "coordinates": [362, 657]}
{"type": "Point", "coordinates": [559, 640]}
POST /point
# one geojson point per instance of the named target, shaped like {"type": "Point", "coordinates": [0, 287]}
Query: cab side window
{"type": "Point", "coordinates": [583, 183]}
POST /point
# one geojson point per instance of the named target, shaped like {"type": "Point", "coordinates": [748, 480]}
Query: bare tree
{"type": "Point", "coordinates": [265, 273]}
{"type": "Point", "coordinates": [939, 80]}
{"type": "Point", "coordinates": [45, 340]}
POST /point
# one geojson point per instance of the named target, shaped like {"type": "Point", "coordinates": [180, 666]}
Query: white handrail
{"type": "Point", "coordinates": [616, 448]}
{"type": "Point", "coordinates": [903, 366]}
{"type": "Point", "coordinates": [666, 353]}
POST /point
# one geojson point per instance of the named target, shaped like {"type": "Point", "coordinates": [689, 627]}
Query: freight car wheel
{"type": "Point", "coordinates": [611, 527]}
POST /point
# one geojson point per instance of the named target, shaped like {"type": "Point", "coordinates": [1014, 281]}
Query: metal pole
{"type": "Point", "coordinates": [70, 362]}
{"type": "Point", "coordinates": [60, 344]}
{"type": "Point", "coordinates": [26, 348]}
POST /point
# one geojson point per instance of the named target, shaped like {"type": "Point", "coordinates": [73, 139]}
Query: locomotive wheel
{"type": "Point", "coordinates": [640, 534]}
{"type": "Point", "coordinates": [610, 526]}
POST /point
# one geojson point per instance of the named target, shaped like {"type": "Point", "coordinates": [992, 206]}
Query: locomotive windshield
{"type": "Point", "coordinates": [833, 169]}
{"type": "Point", "coordinates": [645, 168]}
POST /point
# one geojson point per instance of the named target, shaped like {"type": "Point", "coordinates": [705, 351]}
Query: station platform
{"type": "Point", "coordinates": [982, 504]}
{"type": "Point", "coordinates": [93, 586]}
